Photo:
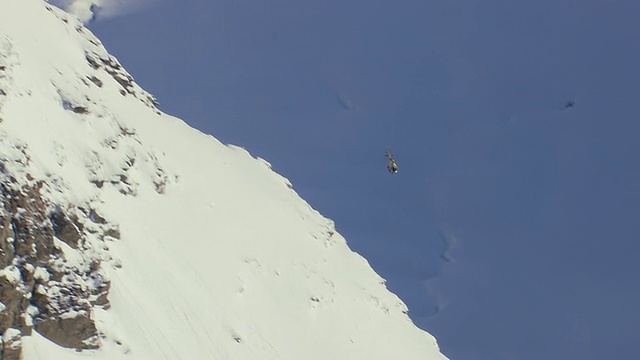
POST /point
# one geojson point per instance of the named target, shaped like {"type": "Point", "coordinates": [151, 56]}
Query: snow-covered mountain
{"type": "Point", "coordinates": [126, 234]}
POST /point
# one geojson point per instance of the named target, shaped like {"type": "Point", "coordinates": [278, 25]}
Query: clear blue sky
{"type": "Point", "coordinates": [511, 230]}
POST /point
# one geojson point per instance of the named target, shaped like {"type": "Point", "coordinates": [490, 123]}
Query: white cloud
{"type": "Point", "coordinates": [88, 10]}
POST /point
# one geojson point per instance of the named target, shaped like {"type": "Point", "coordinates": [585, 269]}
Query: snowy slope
{"type": "Point", "coordinates": [209, 253]}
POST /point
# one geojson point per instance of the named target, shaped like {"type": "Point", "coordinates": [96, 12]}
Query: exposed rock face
{"type": "Point", "coordinates": [51, 254]}
{"type": "Point", "coordinates": [77, 332]}
{"type": "Point", "coordinates": [64, 229]}
{"type": "Point", "coordinates": [39, 288]}
{"type": "Point", "coordinates": [106, 62]}
{"type": "Point", "coordinates": [11, 345]}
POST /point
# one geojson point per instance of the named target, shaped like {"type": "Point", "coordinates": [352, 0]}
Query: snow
{"type": "Point", "coordinates": [11, 273]}
{"type": "Point", "coordinates": [218, 257]}
{"type": "Point", "coordinates": [11, 333]}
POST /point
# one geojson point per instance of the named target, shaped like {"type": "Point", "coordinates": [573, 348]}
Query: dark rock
{"type": "Point", "coordinates": [67, 105]}
{"type": "Point", "coordinates": [113, 232]}
{"type": "Point", "coordinates": [11, 345]}
{"type": "Point", "coordinates": [100, 299]}
{"type": "Point", "coordinates": [32, 237]}
{"type": "Point", "coordinates": [95, 80]}
{"type": "Point", "coordinates": [78, 332]}
{"type": "Point", "coordinates": [36, 282]}
{"type": "Point", "coordinates": [12, 299]}
{"type": "Point", "coordinates": [96, 218]}
{"type": "Point", "coordinates": [7, 251]}
{"type": "Point", "coordinates": [92, 62]}
{"type": "Point", "coordinates": [64, 229]}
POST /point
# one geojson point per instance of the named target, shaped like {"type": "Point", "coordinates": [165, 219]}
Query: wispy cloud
{"type": "Point", "coordinates": [89, 10]}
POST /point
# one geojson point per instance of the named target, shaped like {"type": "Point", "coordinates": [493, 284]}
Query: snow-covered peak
{"type": "Point", "coordinates": [154, 239]}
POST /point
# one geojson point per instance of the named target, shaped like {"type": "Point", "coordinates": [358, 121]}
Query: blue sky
{"type": "Point", "coordinates": [511, 229]}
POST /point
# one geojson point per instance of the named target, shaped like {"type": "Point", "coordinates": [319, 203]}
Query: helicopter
{"type": "Point", "coordinates": [393, 166]}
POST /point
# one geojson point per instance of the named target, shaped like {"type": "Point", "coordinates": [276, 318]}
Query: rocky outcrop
{"type": "Point", "coordinates": [108, 63]}
{"type": "Point", "coordinates": [64, 228]}
{"type": "Point", "coordinates": [11, 345]}
{"type": "Point", "coordinates": [40, 288]}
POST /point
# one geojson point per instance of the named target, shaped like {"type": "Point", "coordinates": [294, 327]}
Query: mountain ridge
{"type": "Point", "coordinates": [175, 245]}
